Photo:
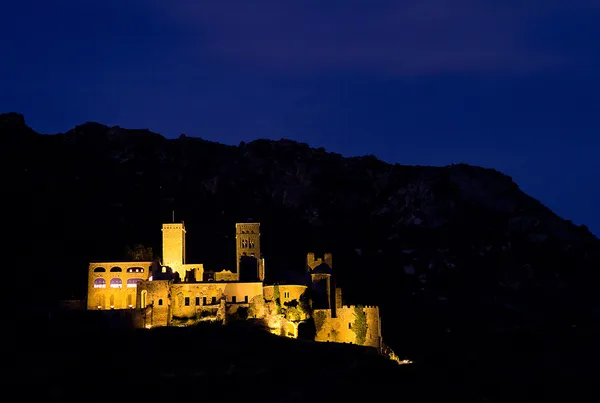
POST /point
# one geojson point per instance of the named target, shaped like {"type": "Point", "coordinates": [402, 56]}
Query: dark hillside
{"type": "Point", "coordinates": [459, 259]}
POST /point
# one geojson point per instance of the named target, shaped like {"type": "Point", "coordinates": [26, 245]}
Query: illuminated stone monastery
{"type": "Point", "coordinates": [172, 292]}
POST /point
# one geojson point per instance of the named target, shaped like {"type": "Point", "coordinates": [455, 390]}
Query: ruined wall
{"type": "Point", "coordinates": [340, 330]}
{"type": "Point", "coordinates": [312, 262]}
{"type": "Point", "coordinates": [112, 285]}
{"type": "Point", "coordinates": [225, 275]}
{"type": "Point", "coordinates": [188, 300]}
{"type": "Point", "coordinates": [338, 298]}
{"type": "Point", "coordinates": [195, 272]}
{"type": "Point", "coordinates": [287, 292]}
{"type": "Point", "coordinates": [153, 303]}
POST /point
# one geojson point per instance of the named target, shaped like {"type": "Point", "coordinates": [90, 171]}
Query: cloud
{"type": "Point", "coordinates": [413, 37]}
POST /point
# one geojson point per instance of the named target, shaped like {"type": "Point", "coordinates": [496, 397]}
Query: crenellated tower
{"type": "Point", "coordinates": [173, 252]}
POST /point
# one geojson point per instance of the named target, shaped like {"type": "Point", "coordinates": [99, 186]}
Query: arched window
{"type": "Point", "coordinates": [99, 283]}
{"type": "Point", "coordinates": [143, 299]}
{"type": "Point", "coordinates": [133, 282]}
{"type": "Point", "coordinates": [116, 269]}
{"type": "Point", "coordinates": [100, 301]}
{"type": "Point", "coordinates": [116, 283]}
{"type": "Point", "coordinates": [160, 302]}
{"type": "Point", "coordinates": [99, 270]}
{"type": "Point", "coordinates": [135, 270]}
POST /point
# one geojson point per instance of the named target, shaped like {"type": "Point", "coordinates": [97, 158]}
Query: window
{"type": "Point", "coordinates": [143, 301]}
{"type": "Point", "coordinates": [197, 300]}
{"type": "Point", "coordinates": [99, 283]}
{"type": "Point", "coordinates": [135, 270]}
{"type": "Point", "coordinates": [286, 294]}
{"type": "Point", "coordinates": [116, 269]}
{"type": "Point", "coordinates": [213, 300]}
{"type": "Point", "coordinates": [99, 270]}
{"type": "Point", "coordinates": [160, 302]}
{"type": "Point", "coordinates": [187, 301]}
{"type": "Point", "coordinates": [130, 301]}
{"type": "Point", "coordinates": [349, 325]}
{"type": "Point", "coordinates": [203, 300]}
{"type": "Point", "coordinates": [116, 283]}
{"type": "Point", "coordinates": [251, 243]}
{"type": "Point", "coordinates": [133, 282]}
{"type": "Point", "coordinates": [233, 299]}
{"type": "Point", "coordinates": [246, 299]}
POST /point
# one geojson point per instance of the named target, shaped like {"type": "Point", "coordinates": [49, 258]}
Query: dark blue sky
{"type": "Point", "coordinates": [512, 85]}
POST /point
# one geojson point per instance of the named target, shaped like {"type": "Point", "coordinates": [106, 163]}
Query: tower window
{"type": "Point", "coordinates": [233, 299]}
{"type": "Point", "coordinates": [251, 243]}
{"type": "Point", "coordinates": [349, 325]}
{"type": "Point", "coordinates": [246, 299]}
{"type": "Point", "coordinates": [203, 300]}
{"type": "Point", "coordinates": [187, 301]}
{"type": "Point", "coordinates": [213, 300]}
{"type": "Point", "coordinates": [197, 300]}
{"type": "Point", "coordinates": [160, 301]}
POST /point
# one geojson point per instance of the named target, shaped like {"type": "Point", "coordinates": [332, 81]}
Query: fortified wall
{"type": "Point", "coordinates": [343, 328]}
{"type": "Point", "coordinates": [193, 300]}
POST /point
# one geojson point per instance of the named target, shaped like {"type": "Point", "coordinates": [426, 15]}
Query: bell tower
{"type": "Point", "coordinates": [173, 247]}
{"type": "Point", "coordinates": [247, 240]}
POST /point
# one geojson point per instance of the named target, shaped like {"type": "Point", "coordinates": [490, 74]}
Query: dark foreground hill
{"type": "Point", "coordinates": [88, 361]}
{"type": "Point", "coordinates": [460, 260]}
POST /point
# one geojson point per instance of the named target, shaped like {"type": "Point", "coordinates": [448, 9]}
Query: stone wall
{"type": "Point", "coordinates": [108, 286]}
{"type": "Point", "coordinates": [226, 275]}
{"type": "Point", "coordinates": [287, 292]}
{"type": "Point", "coordinates": [154, 304]}
{"type": "Point", "coordinates": [340, 330]}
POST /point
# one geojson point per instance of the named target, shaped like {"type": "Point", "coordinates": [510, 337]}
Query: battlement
{"type": "Point", "coordinates": [312, 262]}
{"type": "Point", "coordinates": [364, 307]}
{"type": "Point", "coordinates": [175, 226]}
{"type": "Point", "coordinates": [247, 228]}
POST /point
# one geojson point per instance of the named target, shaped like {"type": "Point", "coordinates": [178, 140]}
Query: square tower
{"type": "Point", "coordinates": [247, 244]}
{"type": "Point", "coordinates": [173, 246]}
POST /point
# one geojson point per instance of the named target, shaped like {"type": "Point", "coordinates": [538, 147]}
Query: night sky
{"type": "Point", "coordinates": [512, 85]}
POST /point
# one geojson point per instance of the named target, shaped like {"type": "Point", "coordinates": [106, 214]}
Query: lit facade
{"type": "Point", "coordinates": [172, 292]}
